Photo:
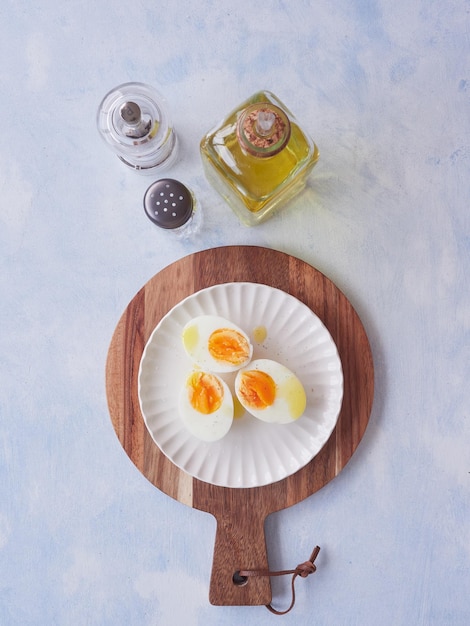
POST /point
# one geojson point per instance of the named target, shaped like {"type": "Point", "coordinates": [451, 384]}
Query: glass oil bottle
{"type": "Point", "coordinates": [258, 157]}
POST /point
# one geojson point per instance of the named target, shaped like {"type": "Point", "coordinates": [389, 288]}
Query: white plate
{"type": "Point", "coordinates": [253, 453]}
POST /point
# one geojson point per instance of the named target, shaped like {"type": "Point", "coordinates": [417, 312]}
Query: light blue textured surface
{"type": "Point", "coordinates": [384, 88]}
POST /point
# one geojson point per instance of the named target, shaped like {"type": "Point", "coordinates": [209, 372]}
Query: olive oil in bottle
{"type": "Point", "coordinates": [258, 157]}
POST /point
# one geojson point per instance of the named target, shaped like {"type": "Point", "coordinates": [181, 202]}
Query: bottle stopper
{"type": "Point", "coordinates": [263, 129]}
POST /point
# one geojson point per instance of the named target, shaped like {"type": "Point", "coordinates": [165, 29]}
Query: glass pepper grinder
{"type": "Point", "coordinates": [133, 121]}
{"type": "Point", "coordinates": [258, 157]}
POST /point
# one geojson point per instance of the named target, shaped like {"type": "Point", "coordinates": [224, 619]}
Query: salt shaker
{"type": "Point", "coordinates": [170, 205]}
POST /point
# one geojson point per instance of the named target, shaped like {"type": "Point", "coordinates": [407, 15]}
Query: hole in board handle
{"type": "Point", "coordinates": [239, 580]}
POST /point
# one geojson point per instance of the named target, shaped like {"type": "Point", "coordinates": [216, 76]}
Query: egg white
{"type": "Point", "coordinates": [195, 336]}
{"type": "Point", "coordinates": [290, 398]}
{"type": "Point", "coordinates": [207, 427]}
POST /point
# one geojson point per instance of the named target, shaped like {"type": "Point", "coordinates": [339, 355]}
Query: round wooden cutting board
{"type": "Point", "coordinates": [240, 513]}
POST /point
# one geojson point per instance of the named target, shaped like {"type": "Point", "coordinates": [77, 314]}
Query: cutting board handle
{"type": "Point", "coordinates": [240, 544]}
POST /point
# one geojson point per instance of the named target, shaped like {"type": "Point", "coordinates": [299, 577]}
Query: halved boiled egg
{"type": "Point", "coordinates": [215, 344]}
{"type": "Point", "coordinates": [270, 391]}
{"type": "Point", "coordinates": [206, 406]}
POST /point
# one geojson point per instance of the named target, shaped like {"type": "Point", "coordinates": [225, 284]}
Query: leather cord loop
{"type": "Point", "coordinates": [303, 570]}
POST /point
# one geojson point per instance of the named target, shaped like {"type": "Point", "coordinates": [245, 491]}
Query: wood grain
{"type": "Point", "coordinates": [240, 513]}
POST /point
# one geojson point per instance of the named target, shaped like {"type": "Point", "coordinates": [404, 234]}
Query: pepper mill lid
{"type": "Point", "coordinates": [134, 124]}
{"type": "Point", "coordinates": [168, 203]}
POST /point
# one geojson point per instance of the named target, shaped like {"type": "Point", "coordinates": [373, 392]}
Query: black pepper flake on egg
{"type": "Point", "coordinates": [168, 203]}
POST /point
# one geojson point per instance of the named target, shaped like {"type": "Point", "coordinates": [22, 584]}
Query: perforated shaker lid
{"type": "Point", "coordinates": [168, 203]}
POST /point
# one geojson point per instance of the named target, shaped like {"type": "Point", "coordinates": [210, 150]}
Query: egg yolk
{"type": "Point", "coordinates": [257, 389]}
{"type": "Point", "coordinates": [227, 345]}
{"type": "Point", "coordinates": [205, 392]}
